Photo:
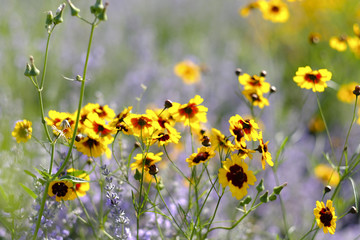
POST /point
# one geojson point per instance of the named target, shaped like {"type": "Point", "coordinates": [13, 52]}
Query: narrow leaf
{"type": "Point", "coordinates": [28, 190]}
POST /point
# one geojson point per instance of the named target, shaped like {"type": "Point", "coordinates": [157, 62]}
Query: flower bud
{"type": "Point", "coordinates": [246, 201]}
{"type": "Point", "coordinates": [49, 20]}
{"type": "Point", "coordinates": [97, 8]}
{"type": "Point", "coordinates": [153, 170]}
{"type": "Point", "coordinates": [168, 103]}
{"type": "Point", "coordinates": [357, 90]}
{"type": "Point", "coordinates": [59, 14]}
{"type": "Point", "coordinates": [264, 198]}
{"type": "Point", "coordinates": [353, 210]}
{"type": "Point", "coordinates": [263, 73]}
{"type": "Point", "coordinates": [103, 16]}
{"type": "Point", "coordinates": [73, 10]}
{"type": "Point", "coordinates": [27, 70]}
{"type": "Point", "coordinates": [272, 197]}
{"type": "Point", "coordinates": [78, 78]}
{"type": "Point", "coordinates": [278, 189]}
{"type": "Point", "coordinates": [327, 189]}
{"type": "Point", "coordinates": [238, 71]}
{"type": "Point", "coordinates": [260, 187]}
{"type": "Point", "coordinates": [272, 89]}
{"type": "Point", "coordinates": [33, 70]}
{"type": "Point", "coordinates": [206, 141]}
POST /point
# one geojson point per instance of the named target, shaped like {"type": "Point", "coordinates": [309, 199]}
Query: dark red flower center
{"type": "Point", "coordinates": [90, 143]}
{"type": "Point", "coordinates": [101, 129]}
{"type": "Point", "coordinates": [189, 111]}
{"type": "Point", "coordinates": [201, 157]}
{"type": "Point", "coordinates": [246, 126]}
{"type": "Point", "coordinates": [59, 189]}
{"type": "Point", "coordinates": [275, 9]}
{"type": "Point", "coordinates": [239, 133]}
{"type": "Point", "coordinates": [236, 176]}
{"type": "Point", "coordinates": [141, 122]}
{"type": "Point", "coordinates": [326, 217]}
{"type": "Point", "coordinates": [312, 77]}
{"type": "Point", "coordinates": [162, 137]}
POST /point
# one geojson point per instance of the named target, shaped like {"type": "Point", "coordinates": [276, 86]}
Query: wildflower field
{"type": "Point", "coordinates": [180, 119]}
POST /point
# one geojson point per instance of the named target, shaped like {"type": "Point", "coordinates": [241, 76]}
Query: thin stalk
{"type": "Point", "coordinates": [41, 211]}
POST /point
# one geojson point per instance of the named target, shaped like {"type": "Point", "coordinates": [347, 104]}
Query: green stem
{"type": "Point", "coordinates": [41, 211]}
{"type": "Point", "coordinates": [82, 93]}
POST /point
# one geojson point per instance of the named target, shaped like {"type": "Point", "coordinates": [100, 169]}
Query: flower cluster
{"type": "Point", "coordinates": [340, 43]}
{"type": "Point", "coordinates": [272, 10]}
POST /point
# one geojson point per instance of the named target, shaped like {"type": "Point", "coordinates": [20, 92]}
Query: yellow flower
{"type": "Point", "coordinates": [118, 121]}
{"type": "Point", "coordinates": [274, 10]}
{"type": "Point", "coordinates": [265, 154]}
{"type": "Point", "coordinates": [94, 147]}
{"type": "Point", "coordinates": [316, 125]}
{"type": "Point", "coordinates": [312, 79]}
{"type": "Point", "coordinates": [188, 71]}
{"type": "Point", "coordinates": [254, 82]}
{"type": "Point", "coordinates": [22, 131]}
{"type": "Point", "coordinates": [325, 216]}
{"type": "Point", "coordinates": [243, 129]}
{"type": "Point", "coordinates": [63, 190]}
{"type": "Point", "coordinates": [203, 154]}
{"type": "Point", "coordinates": [345, 93]}
{"type": "Point", "coordinates": [82, 187]}
{"type": "Point", "coordinates": [356, 29]}
{"type": "Point", "coordinates": [150, 159]}
{"type": "Point", "coordinates": [246, 10]}
{"type": "Point", "coordinates": [338, 43]}
{"type": "Point", "coordinates": [97, 127]}
{"type": "Point", "coordinates": [354, 45]}
{"type": "Point", "coordinates": [141, 125]}
{"type": "Point", "coordinates": [191, 113]}
{"type": "Point", "coordinates": [256, 98]}
{"type": "Point", "coordinates": [220, 142]}
{"type": "Point", "coordinates": [235, 174]}
{"type": "Point", "coordinates": [61, 122]}
{"type": "Point", "coordinates": [327, 174]}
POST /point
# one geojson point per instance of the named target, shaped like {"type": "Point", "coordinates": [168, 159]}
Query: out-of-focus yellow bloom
{"type": "Point", "coordinates": [354, 45]}
{"type": "Point", "coordinates": [325, 216]}
{"type": "Point", "coordinates": [338, 43]}
{"type": "Point", "coordinates": [254, 82]}
{"type": "Point", "coordinates": [188, 71]}
{"type": "Point", "coordinates": [327, 175]}
{"type": "Point", "coordinates": [22, 131]}
{"type": "Point", "coordinates": [220, 142]}
{"type": "Point", "coordinates": [345, 93]}
{"type": "Point", "coordinates": [356, 29]}
{"type": "Point", "coordinates": [94, 147]}
{"type": "Point", "coordinates": [256, 98]}
{"type": "Point", "coordinates": [312, 79]}
{"type": "Point", "coordinates": [246, 10]}
{"type": "Point", "coordinates": [235, 174]}
{"type": "Point", "coordinates": [274, 10]}
{"type": "Point", "coordinates": [316, 125]}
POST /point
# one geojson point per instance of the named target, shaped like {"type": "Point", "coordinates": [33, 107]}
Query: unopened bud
{"type": "Point", "coordinates": [263, 73]}
{"type": "Point", "coordinates": [272, 197]}
{"type": "Point", "coordinates": [206, 141]}
{"type": "Point", "coordinates": [59, 14]}
{"type": "Point", "coordinates": [97, 8]}
{"type": "Point", "coordinates": [272, 89]}
{"type": "Point", "coordinates": [357, 90]}
{"type": "Point", "coordinates": [33, 70]}
{"type": "Point", "coordinates": [27, 70]}
{"type": "Point", "coordinates": [74, 11]}
{"type": "Point", "coordinates": [89, 161]}
{"type": "Point", "coordinates": [238, 71]}
{"type": "Point", "coordinates": [137, 145]}
{"type": "Point", "coordinates": [264, 198]}
{"type": "Point", "coordinates": [353, 210]}
{"type": "Point", "coordinates": [79, 137]}
{"type": "Point", "coordinates": [260, 187]}
{"type": "Point", "coordinates": [278, 189]}
{"type": "Point", "coordinates": [79, 78]}
{"type": "Point", "coordinates": [254, 97]}
{"type": "Point", "coordinates": [49, 19]}
{"type": "Point", "coordinates": [246, 201]}
{"type": "Point", "coordinates": [327, 189]}
{"type": "Point", "coordinates": [103, 16]}
{"type": "Point", "coordinates": [168, 103]}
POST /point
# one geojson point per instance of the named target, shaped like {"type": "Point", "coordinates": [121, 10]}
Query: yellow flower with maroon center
{"type": "Point", "coordinates": [191, 113]}
{"type": "Point", "coordinates": [82, 187]}
{"type": "Point", "coordinates": [243, 151]}
{"type": "Point", "coordinates": [168, 135]}
{"type": "Point", "coordinates": [219, 141]}
{"type": "Point", "coordinates": [203, 155]}
{"type": "Point", "coordinates": [241, 128]}
{"type": "Point", "coordinates": [255, 97]}
{"type": "Point", "coordinates": [312, 79]}
{"type": "Point", "coordinates": [145, 160]}
{"type": "Point", "coordinates": [118, 121]}
{"type": "Point", "coordinates": [235, 174]}
{"type": "Point", "coordinates": [141, 125]}
{"type": "Point", "coordinates": [325, 216]}
{"type": "Point", "coordinates": [63, 190]}
{"type": "Point", "coordinates": [188, 71]}
{"type": "Point", "coordinates": [97, 127]}
{"type": "Point", "coordinates": [62, 122]}
{"type": "Point", "coordinates": [94, 147]}
{"type": "Point", "coordinates": [265, 154]}
{"type": "Point", "coordinates": [22, 131]}
{"type": "Point", "coordinates": [274, 10]}
{"type": "Point", "coordinates": [254, 82]}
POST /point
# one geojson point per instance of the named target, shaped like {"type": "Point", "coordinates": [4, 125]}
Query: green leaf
{"type": "Point", "coordinates": [73, 179]}
{"type": "Point", "coordinates": [43, 173]}
{"type": "Point", "coordinates": [30, 174]}
{"type": "Point", "coordinates": [3, 194]}
{"type": "Point", "coordinates": [28, 190]}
